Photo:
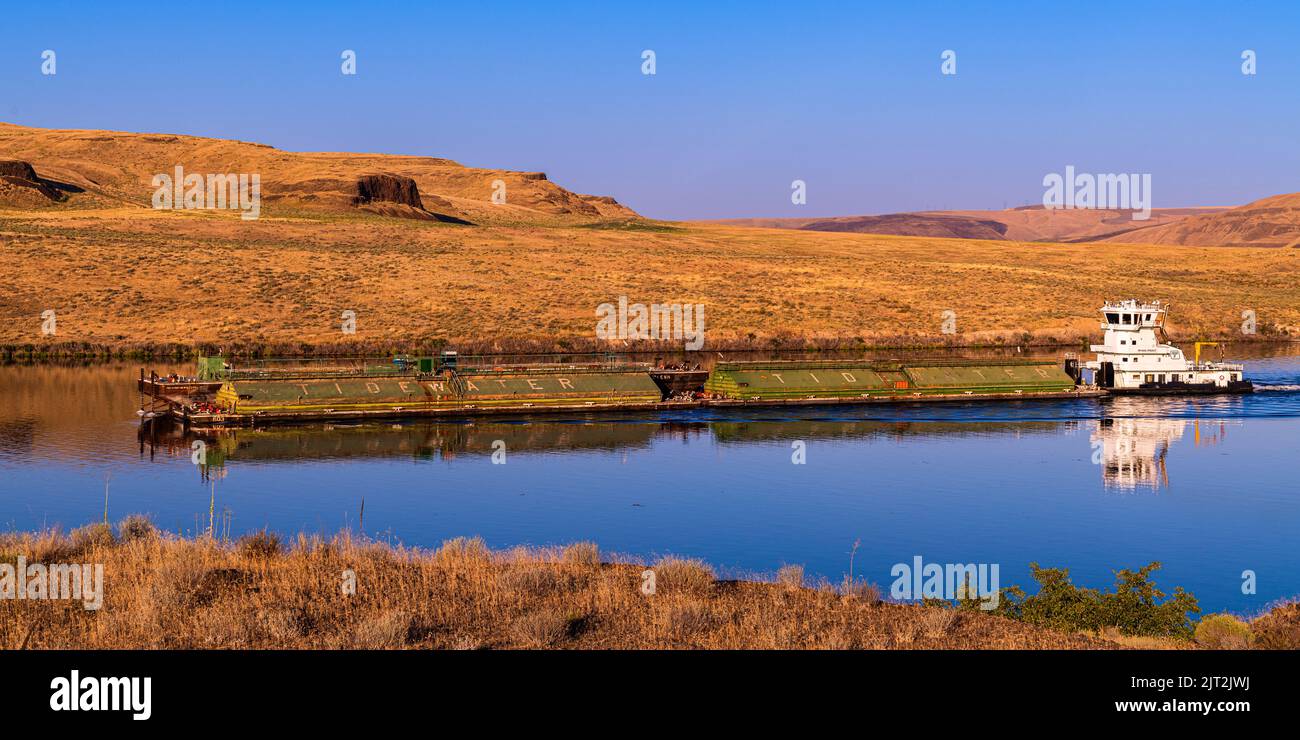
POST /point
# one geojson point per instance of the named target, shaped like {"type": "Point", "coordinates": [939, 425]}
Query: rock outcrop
{"type": "Point", "coordinates": [21, 187]}
{"type": "Point", "coordinates": [116, 169]}
{"type": "Point", "coordinates": [388, 189]}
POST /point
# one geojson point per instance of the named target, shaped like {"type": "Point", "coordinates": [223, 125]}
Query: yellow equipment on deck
{"type": "Point", "coordinates": [1203, 344]}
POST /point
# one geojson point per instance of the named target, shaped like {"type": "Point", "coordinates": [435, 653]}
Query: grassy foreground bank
{"type": "Point", "coordinates": [164, 591]}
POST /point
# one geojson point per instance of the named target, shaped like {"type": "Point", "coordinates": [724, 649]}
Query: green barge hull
{"type": "Point", "coordinates": [825, 380]}
{"type": "Point", "coordinates": [460, 392]}
{"type": "Point", "coordinates": [297, 396]}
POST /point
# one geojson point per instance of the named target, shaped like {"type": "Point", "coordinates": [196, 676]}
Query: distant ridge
{"type": "Point", "coordinates": [58, 168]}
{"type": "Point", "coordinates": [1024, 223]}
{"type": "Point", "coordinates": [1269, 222]}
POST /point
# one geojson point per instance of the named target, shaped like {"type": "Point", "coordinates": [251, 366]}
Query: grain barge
{"type": "Point", "coordinates": [437, 388]}
{"type": "Point", "coordinates": [1131, 360]}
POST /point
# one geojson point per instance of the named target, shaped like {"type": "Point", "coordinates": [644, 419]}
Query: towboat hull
{"type": "Point", "coordinates": [1186, 389]}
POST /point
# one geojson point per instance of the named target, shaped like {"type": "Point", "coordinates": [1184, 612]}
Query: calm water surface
{"type": "Point", "coordinates": [1206, 486]}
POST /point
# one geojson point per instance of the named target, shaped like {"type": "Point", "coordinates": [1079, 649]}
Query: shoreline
{"type": "Point", "coordinates": [167, 591]}
{"type": "Point", "coordinates": [96, 352]}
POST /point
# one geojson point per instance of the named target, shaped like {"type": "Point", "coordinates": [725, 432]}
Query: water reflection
{"type": "Point", "coordinates": [449, 441]}
{"type": "Point", "coordinates": [1134, 452]}
{"type": "Point", "coordinates": [1130, 447]}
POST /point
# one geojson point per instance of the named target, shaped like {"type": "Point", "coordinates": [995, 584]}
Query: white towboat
{"type": "Point", "coordinates": [1133, 360]}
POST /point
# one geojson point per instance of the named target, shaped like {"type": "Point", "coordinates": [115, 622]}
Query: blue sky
{"type": "Point", "coordinates": [747, 96]}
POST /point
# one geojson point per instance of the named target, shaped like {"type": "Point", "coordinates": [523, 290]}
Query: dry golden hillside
{"type": "Point", "coordinates": [137, 275]}
{"type": "Point", "coordinates": [78, 237]}
{"type": "Point", "coordinates": [99, 169]}
{"type": "Point", "coordinates": [1270, 222]}
{"type": "Point", "coordinates": [1014, 224]}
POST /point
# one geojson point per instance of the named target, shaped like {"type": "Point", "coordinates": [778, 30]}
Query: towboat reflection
{"type": "Point", "coordinates": [1133, 452]}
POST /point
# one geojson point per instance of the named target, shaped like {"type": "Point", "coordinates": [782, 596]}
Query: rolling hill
{"type": "Point", "coordinates": [78, 237]}
{"type": "Point", "coordinates": [1025, 224]}
{"type": "Point", "coordinates": [73, 169]}
{"type": "Point", "coordinates": [1270, 222]}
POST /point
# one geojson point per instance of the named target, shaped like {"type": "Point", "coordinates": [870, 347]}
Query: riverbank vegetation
{"type": "Point", "coordinates": [348, 591]}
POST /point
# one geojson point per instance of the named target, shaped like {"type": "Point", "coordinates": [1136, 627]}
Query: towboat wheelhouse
{"type": "Point", "coordinates": [1132, 359]}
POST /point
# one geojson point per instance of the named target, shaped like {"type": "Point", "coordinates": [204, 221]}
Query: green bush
{"type": "Point", "coordinates": [1135, 607]}
{"type": "Point", "coordinates": [1223, 632]}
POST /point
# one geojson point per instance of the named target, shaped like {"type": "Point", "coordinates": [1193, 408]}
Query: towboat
{"type": "Point", "coordinates": [1132, 359]}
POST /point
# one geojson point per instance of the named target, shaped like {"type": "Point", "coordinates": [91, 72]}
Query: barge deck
{"type": "Point", "coordinates": [243, 398]}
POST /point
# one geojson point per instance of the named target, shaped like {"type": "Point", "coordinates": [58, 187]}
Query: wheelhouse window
{"type": "Point", "coordinates": [1112, 318]}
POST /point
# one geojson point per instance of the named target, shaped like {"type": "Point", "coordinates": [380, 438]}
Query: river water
{"type": "Point", "coordinates": [1207, 486]}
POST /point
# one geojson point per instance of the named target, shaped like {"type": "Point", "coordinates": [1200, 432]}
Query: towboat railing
{"type": "Point", "coordinates": [1210, 367]}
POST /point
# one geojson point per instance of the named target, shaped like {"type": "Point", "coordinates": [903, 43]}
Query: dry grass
{"type": "Point", "coordinates": [790, 576]}
{"type": "Point", "coordinates": [937, 622]}
{"type": "Point", "coordinates": [531, 272]}
{"type": "Point", "coordinates": [1279, 627]}
{"type": "Point", "coordinates": [137, 277]}
{"type": "Point", "coordinates": [544, 628]}
{"type": "Point", "coordinates": [1143, 642]}
{"type": "Point", "coordinates": [679, 576]}
{"type": "Point", "coordinates": [165, 592]}
{"type": "Point", "coordinates": [585, 554]}
{"type": "Point", "coordinates": [868, 593]}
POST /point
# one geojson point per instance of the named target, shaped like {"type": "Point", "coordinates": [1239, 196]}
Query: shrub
{"type": "Point", "coordinates": [90, 537]}
{"type": "Point", "coordinates": [527, 579]}
{"type": "Point", "coordinates": [685, 620]}
{"type": "Point", "coordinates": [136, 527]}
{"type": "Point", "coordinates": [868, 592]}
{"type": "Point", "coordinates": [790, 576]}
{"type": "Point", "coordinates": [463, 551]}
{"type": "Point", "coordinates": [1279, 629]}
{"type": "Point", "coordinates": [585, 554]}
{"type": "Point", "coordinates": [677, 575]}
{"type": "Point", "coordinates": [1135, 607]}
{"type": "Point", "coordinates": [938, 621]}
{"type": "Point", "coordinates": [385, 631]}
{"type": "Point", "coordinates": [544, 628]}
{"type": "Point", "coordinates": [1223, 632]}
{"type": "Point", "coordinates": [260, 545]}
{"type": "Point", "coordinates": [178, 578]}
